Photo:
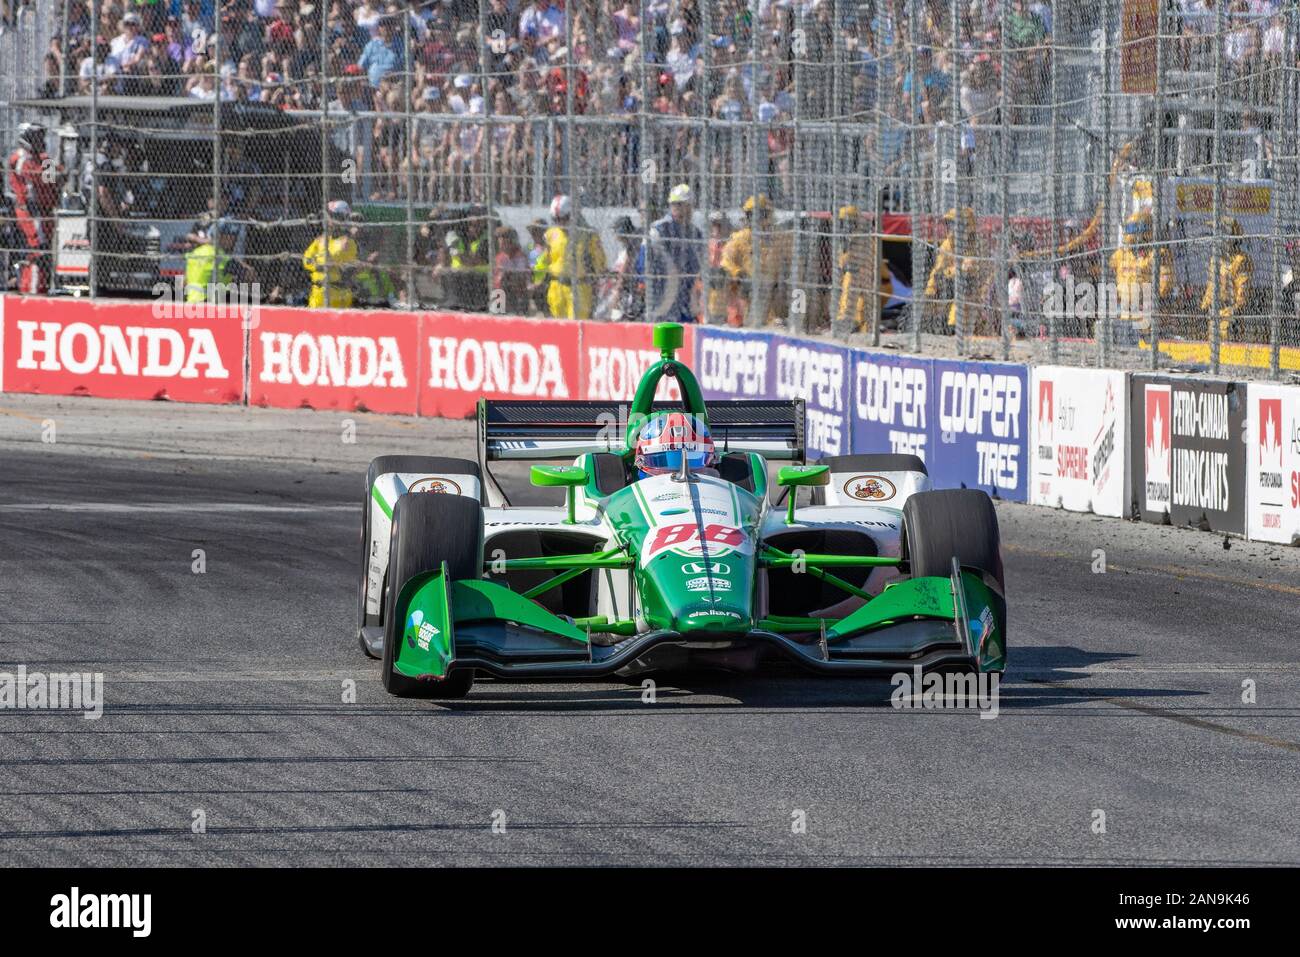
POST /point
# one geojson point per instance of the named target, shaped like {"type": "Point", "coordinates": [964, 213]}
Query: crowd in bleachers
{"type": "Point", "coordinates": [414, 84]}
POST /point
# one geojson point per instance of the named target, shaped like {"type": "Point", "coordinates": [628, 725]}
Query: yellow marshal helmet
{"type": "Point", "coordinates": [849, 211]}
{"type": "Point", "coordinates": [681, 193]}
{"type": "Point", "coordinates": [760, 201]}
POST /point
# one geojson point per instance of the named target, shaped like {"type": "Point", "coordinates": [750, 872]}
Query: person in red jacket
{"type": "Point", "coordinates": [33, 183]}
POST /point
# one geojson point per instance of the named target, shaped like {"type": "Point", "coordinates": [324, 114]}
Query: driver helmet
{"type": "Point", "coordinates": [667, 436]}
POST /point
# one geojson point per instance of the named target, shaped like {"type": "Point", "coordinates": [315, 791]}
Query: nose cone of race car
{"type": "Point", "coordinates": [701, 594]}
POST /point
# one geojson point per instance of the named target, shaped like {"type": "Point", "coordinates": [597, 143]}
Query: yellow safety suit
{"type": "Point", "coordinates": [854, 293]}
{"type": "Point", "coordinates": [774, 252]}
{"type": "Point", "coordinates": [1235, 272]}
{"type": "Point", "coordinates": [342, 250]}
{"type": "Point", "coordinates": [1134, 268]}
{"type": "Point", "coordinates": [569, 295]}
{"type": "Point", "coordinates": [945, 269]}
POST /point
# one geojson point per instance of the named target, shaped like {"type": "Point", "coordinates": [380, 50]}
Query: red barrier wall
{"type": "Point", "coordinates": [426, 363]}
{"type": "Point", "coordinates": [343, 360]}
{"type": "Point", "coordinates": [121, 350]}
{"type": "Point", "coordinates": [467, 357]}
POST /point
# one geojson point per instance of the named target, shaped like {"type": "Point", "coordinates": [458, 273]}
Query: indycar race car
{"type": "Point", "coordinates": [673, 549]}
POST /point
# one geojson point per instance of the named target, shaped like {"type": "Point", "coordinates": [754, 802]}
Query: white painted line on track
{"type": "Point", "coordinates": [243, 675]}
{"type": "Point", "coordinates": [163, 508]}
{"type": "Point", "coordinates": [1174, 668]}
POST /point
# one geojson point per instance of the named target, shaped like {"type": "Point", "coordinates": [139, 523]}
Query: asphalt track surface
{"type": "Point", "coordinates": [225, 690]}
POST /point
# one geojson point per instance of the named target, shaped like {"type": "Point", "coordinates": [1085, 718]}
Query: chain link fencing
{"type": "Point", "coordinates": [1106, 183]}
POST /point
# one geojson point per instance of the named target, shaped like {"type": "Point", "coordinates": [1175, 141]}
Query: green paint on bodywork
{"type": "Point", "coordinates": [488, 601]}
{"type": "Point", "coordinates": [431, 611]}
{"type": "Point", "coordinates": [374, 493]}
{"type": "Point", "coordinates": [911, 598]}
{"type": "Point", "coordinates": [426, 646]}
{"type": "Point", "coordinates": [933, 598]}
{"type": "Point", "coordinates": [987, 627]}
{"type": "Point", "coordinates": [797, 476]}
{"type": "Point", "coordinates": [710, 593]}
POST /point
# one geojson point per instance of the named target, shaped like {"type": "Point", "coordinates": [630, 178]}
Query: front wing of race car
{"type": "Point", "coordinates": [932, 622]}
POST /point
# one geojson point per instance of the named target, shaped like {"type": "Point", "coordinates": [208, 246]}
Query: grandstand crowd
{"type": "Point", "coordinates": [421, 77]}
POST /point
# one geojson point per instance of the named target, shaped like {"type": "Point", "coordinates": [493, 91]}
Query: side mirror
{"type": "Point", "coordinates": [795, 476]}
{"type": "Point", "coordinates": [568, 477]}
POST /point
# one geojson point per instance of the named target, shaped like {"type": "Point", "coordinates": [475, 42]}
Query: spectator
{"type": "Point", "coordinates": [670, 263]}
{"type": "Point", "coordinates": [383, 54]}
{"type": "Point", "coordinates": [622, 292]}
{"type": "Point", "coordinates": [129, 46]}
{"type": "Point", "coordinates": [101, 67]}
{"type": "Point", "coordinates": [542, 21]}
{"type": "Point", "coordinates": [510, 271]}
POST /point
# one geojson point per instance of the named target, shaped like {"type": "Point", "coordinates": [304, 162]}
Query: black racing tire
{"type": "Point", "coordinates": [432, 464]}
{"type": "Point", "coordinates": [879, 462]}
{"type": "Point", "coordinates": [950, 522]}
{"type": "Point", "coordinates": [428, 530]}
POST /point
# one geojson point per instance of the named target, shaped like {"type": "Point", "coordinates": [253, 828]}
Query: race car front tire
{"type": "Point", "coordinates": [424, 464]}
{"type": "Point", "coordinates": [429, 530]}
{"type": "Point", "coordinates": [947, 523]}
{"type": "Point", "coordinates": [954, 523]}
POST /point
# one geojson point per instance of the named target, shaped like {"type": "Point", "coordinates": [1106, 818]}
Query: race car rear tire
{"type": "Point", "coordinates": [427, 464]}
{"type": "Point", "coordinates": [429, 530]}
{"type": "Point", "coordinates": [951, 522]}
{"type": "Point", "coordinates": [880, 462]}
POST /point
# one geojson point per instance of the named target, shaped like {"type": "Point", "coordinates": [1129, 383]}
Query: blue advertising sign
{"type": "Point", "coordinates": [731, 364]}
{"type": "Point", "coordinates": [889, 403]}
{"type": "Point", "coordinates": [979, 432]}
{"type": "Point", "coordinates": [818, 373]}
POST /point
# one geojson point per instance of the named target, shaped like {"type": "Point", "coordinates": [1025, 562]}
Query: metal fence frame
{"type": "Point", "coordinates": [1043, 140]}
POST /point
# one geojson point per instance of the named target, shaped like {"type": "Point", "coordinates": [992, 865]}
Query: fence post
{"type": "Point", "coordinates": [1284, 197]}
{"type": "Point", "coordinates": [797, 319]}
{"type": "Point", "coordinates": [1054, 186]}
{"type": "Point", "coordinates": [324, 156]}
{"type": "Point", "coordinates": [218, 213]}
{"type": "Point", "coordinates": [705, 204]}
{"type": "Point", "coordinates": [92, 201]}
{"type": "Point", "coordinates": [578, 232]}
{"type": "Point", "coordinates": [915, 190]}
{"type": "Point", "coordinates": [1159, 233]}
{"type": "Point", "coordinates": [876, 179]}
{"type": "Point", "coordinates": [1104, 325]}
{"type": "Point", "coordinates": [757, 293]}
{"type": "Point", "coordinates": [959, 237]}
{"type": "Point", "coordinates": [1004, 163]}
{"type": "Point", "coordinates": [407, 161]}
{"type": "Point", "coordinates": [648, 175]}
{"type": "Point", "coordinates": [1216, 219]}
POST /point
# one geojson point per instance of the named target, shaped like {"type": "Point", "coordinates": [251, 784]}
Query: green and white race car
{"type": "Point", "coordinates": [871, 573]}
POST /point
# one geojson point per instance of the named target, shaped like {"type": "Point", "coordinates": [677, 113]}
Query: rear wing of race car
{"type": "Point", "coordinates": [531, 430]}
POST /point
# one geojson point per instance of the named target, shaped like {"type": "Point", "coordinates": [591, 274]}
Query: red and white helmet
{"type": "Point", "coordinates": [561, 207]}
{"type": "Point", "coordinates": [667, 436]}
